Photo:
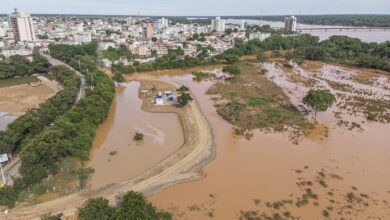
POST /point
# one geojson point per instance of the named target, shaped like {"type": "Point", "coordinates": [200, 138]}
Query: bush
{"type": "Point", "coordinates": [232, 69]}
{"type": "Point", "coordinates": [138, 136]}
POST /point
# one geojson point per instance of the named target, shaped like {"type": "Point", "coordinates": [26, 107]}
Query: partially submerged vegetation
{"type": "Point", "coordinates": [319, 194]}
{"type": "Point", "coordinates": [250, 101]}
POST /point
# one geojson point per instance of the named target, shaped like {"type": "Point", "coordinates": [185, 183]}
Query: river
{"type": "Point", "coordinates": [365, 35]}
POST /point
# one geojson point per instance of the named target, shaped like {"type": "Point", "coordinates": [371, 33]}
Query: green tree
{"type": "Point", "coordinates": [319, 100]}
{"type": "Point", "coordinates": [97, 208]}
{"type": "Point", "coordinates": [133, 206]}
{"type": "Point", "coordinates": [183, 96]}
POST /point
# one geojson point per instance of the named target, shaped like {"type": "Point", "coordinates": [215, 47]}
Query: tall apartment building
{"type": "Point", "coordinates": [148, 31]}
{"type": "Point", "coordinates": [290, 24]}
{"type": "Point", "coordinates": [218, 24]}
{"type": "Point", "coordinates": [22, 26]}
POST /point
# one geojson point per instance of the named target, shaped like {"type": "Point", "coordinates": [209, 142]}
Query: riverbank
{"type": "Point", "coordinates": [182, 166]}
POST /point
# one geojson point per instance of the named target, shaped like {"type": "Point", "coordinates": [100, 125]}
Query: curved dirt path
{"type": "Point", "coordinates": [182, 166]}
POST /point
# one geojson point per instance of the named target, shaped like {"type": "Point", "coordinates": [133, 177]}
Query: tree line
{"type": "Point", "coordinates": [20, 66]}
{"type": "Point", "coordinates": [69, 133]}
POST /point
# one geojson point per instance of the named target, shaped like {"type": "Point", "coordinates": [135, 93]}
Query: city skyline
{"type": "Point", "coordinates": [201, 8]}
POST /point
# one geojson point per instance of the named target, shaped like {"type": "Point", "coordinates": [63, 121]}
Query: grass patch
{"type": "Point", "coordinates": [254, 101]}
{"type": "Point", "coordinates": [251, 101]}
{"type": "Point", "coordinates": [18, 81]}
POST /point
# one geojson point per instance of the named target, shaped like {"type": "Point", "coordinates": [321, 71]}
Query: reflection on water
{"type": "Point", "coordinates": [163, 136]}
{"type": "Point", "coordinates": [366, 35]}
{"type": "Point", "coordinates": [263, 168]}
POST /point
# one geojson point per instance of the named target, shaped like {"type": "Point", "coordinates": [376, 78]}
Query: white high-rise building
{"type": "Point", "coordinates": [242, 27]}
{"type": "Point", "coordinates": [22, 26]}
{"type": "Point", "coordinates": [290, 24]}
{"type": "Point", "coordinates": [218, 24]}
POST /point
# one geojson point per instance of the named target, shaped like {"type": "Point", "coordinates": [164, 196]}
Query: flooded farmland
{"type": "Point", "coordinates": [115, 155]}
{"type": "Point", "coordinates": [343, 175]}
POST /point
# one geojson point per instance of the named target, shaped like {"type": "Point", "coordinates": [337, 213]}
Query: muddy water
{"type": "Point", "coordinates": [162, 136]}
{"type": "Point", "coordinates": [263, 168]}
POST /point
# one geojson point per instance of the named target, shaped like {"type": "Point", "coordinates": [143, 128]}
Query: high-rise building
{"type": "Point", "coordinates": [161, 23]}
{"type": "Point", "coordinates": [290, 24]}
{"type": "Point", "coordinates": [242, 27]}
{"type": "Point", "coordinates": [218, 24]}
{"type": "Point", "coordinates": [22, 26]}
{"type": "Point", "coordinates": [148, 31]}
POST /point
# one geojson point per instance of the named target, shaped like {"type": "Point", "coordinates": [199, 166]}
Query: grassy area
{"type": "Point", "coordinates": [251, 101]}
{"type": "Point", "coordinates": [18, 81]}
{"type": "Point", "coordinates": [65, 182]}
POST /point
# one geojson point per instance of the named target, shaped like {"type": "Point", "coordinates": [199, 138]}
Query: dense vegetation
{"type": "Point", "coordinates": [19, 66]}
{"type": "Point", "coordinates": [35, 120]}
{"type": "Point", "coordinates": [71, 130]}
{"type": "Point", "coordinates": [80, 57]}
{"type": "Point", "coordinates": [348, 51]}
{"type": "Point", "coordinates": [115, 54]}
{"type": "Point", "coordinates": [166, 62]}
{"type": "Point", "coordinates": [133, 206]}
{"type": "Point", "coordinates": [337, 49]}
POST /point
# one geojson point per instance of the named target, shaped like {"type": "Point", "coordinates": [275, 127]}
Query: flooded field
{"type": "Point", "coordinates": [343, 175]}
{"type": "Point", "coordinates": [115, 155]}
{"type": "Point", "coordinates": [16, 100]}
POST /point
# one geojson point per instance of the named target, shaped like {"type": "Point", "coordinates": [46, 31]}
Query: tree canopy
{"type": "Point", "coordinates": [319, 100]}
{"type": "Point", "coordinates": [133, 206]}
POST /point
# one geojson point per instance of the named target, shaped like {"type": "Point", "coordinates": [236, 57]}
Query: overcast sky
{"type": "Point", "coordinates": [198, 7]}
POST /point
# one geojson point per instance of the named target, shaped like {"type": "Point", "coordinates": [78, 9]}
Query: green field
{"type": "Point", "coordinates": [18, 81]}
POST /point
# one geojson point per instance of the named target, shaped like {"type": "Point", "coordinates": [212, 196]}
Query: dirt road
{"type": "Point", "coordinates": [182, 166]}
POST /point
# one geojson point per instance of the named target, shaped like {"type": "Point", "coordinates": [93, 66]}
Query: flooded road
{"type": "Point", "coordinates": [115, 155]}
{"type": "Point", "coordinates": [247, 174]}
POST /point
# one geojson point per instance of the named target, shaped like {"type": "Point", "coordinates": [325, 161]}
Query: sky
{"type": "Point", "coordinates": [197, 7]}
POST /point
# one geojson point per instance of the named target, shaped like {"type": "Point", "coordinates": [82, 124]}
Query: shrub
{"type": "Point", "coordinates": [138, 136]}
{"type": "Point", "coordinates": [232, 69]}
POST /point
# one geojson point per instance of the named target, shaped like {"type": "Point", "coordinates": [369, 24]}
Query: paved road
{"type": "Point", "coordinates": [12, 170]}
{"type": "Point", "coordinates": [55, 62]}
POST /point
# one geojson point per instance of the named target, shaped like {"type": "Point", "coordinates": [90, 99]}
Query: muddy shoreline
{"type": "Point", "coordinates": [184, 165]}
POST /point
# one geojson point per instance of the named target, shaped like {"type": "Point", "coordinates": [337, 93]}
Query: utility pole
{"type": "Point", "coordinates": [79, 65]}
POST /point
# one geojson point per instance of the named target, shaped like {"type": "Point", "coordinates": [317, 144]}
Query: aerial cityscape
{"type": "Point", "coordinates": [271, 110]}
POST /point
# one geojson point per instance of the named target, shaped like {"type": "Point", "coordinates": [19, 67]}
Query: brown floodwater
{"type": "Point", "coordinates": [265, 168]}
{"type": "Point", "coordinates": [162, 136]}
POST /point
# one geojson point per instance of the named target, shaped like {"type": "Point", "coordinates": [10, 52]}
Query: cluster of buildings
{"type": "Point", "coordinates": [145, 37]}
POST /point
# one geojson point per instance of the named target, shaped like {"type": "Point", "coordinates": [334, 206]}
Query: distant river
{"type": "Point", "coordinates": [365, 35]}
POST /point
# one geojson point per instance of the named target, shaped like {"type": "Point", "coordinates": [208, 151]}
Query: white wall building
{"type": "Point", "coordinates": [290, 24]}
{"type": "Point", "coordinates": [83, 37]}
{"type": "Point", "coordinates": [22, 26]}
{"type": "Point", "coordinates": [259, 35]}
{"type": "Point", "coordinates": [218, 24]}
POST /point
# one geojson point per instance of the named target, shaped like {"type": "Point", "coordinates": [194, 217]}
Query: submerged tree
{"type": "Point", "coordinates": [319, 100]}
